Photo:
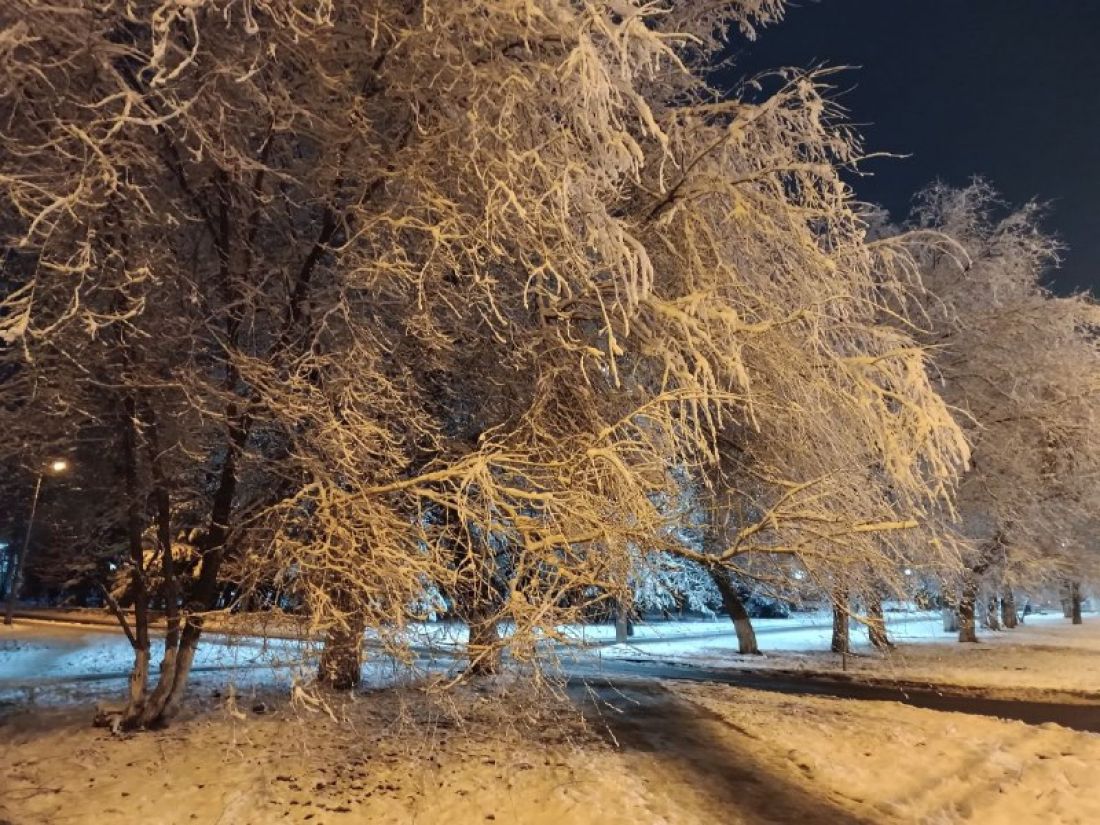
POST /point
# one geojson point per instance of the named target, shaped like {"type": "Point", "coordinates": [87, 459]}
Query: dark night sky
{"type": "Point", "coordinates": [1008, 89]}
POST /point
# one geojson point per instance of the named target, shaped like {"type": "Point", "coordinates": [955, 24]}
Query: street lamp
{"type": "Point", "coordinates": [15, 576]}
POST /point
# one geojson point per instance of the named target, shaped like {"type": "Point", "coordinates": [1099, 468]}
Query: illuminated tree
{"type": "Point", "coordinates": [1023, 369]}
{"type": "Point", "coordinates": [275, 230]}
{"type": "Point", "coordinates": [367, 301]}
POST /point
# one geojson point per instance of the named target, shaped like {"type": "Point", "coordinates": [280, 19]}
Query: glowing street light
{"type": "Point", "coordinates": [15, 576]}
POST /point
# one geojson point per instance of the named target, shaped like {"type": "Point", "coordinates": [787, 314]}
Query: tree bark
{"type": "Point", "coordinates": [623, 629]}
{"type": "Point", "coordinates": [185, 657]}
{"type": "Point", "coordinates": [841, 640]}
{"type": "Point", "coordinates": [238, 427]}
{"type": "Point", "coordinates": [15, 559]}
{"type": "Point", "coordinates": [1075, 602]}
{"type": "Point", "coordinates": [342, 657]}
{"type": "Point", "coordinates": [478, 600]}
{"type": "Point", "coordinates": [950, 619]}
{"type": "Point", "coordinates": [735, 608]}
{"type": "Point", "coordinates": [990, 620]}
{"type": "Point", "coordinates": [206, 589]}
{"type": "Point", "coordinates": [968, 631]}
{"type": "Point", "coordinates": [18, 529]}
{"type": "Point", "coordinates": [876, 624]}
{"type": "Point", "coordinates": [158, 699]}
{"type": "Point", "coordinates": [1008, 609]}
{"type": "Point", "coordinates": [139, 675]}
{"type": "Point", "coordinates": [483, 647]}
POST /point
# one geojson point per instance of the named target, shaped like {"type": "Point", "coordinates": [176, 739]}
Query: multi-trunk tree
{"type": "Point", "coordinates": [346, 289]}
{"type": "Point", "coordinates": [364, 301]}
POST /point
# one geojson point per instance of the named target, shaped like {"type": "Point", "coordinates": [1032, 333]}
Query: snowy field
{"type": "Point", "coordinates": [1047, 654]}
{"type": "Point", "coordinates": [51, 653]}
{"type": "Point", "coordinates": [54, 653]}
{"type": "Point", "coordinates": [654, 754]}
{"type": "Point", "coordinates": [685, 755]}
{"type": "Point", "coordinates": [73, 660]}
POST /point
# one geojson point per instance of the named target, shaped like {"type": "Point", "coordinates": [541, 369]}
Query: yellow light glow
{"type": "Point", "coordinates": [59, 465]}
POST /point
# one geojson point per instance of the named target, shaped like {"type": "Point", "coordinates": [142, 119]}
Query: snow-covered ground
{"type": "Point", "coordinates": [802, 632]}
{"type": "Point", "coordinates": [1047, 654]}
{"type": "Point", "coordinates": [454, 634]}
{"type": "Point", "coordinates": [883, 762]}
{"type": "Point", "coordinates": [682, 754]}
{"type": "Point", "coordinates": [57, 664]}
{"type": "Point", "coordinates": [53, 651]}
{"type": "Point", "coordinates": [688, 755]}
{"type": "Point", "coordinates": [36, 652]}
{"type": "Point", "coordinates": [50, 652]}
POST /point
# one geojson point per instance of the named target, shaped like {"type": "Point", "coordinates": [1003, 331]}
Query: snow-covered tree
{"type": "Point", "coordinates": [665, 583]}
{"type": "Point", "coordinates": [368, 299]}
{"type": "Point", "coordinates": [1022, 367]}
{"type": "Point", "coordinates": [317, 268]}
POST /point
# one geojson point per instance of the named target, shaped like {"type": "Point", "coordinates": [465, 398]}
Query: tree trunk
{"type": "Point", "coordinates": [622, 625]}
{"type": "Point", "coordinates": [841, 639]}
{"type": "Point", "coordinates": [185, 657]}
{"type": "Point", "coordinates": [989, 615]}
{"type": "Point", "coordinates": [158, 699]}
{"type": "Point", "coordinates": [342, 657]}
{"type": "Point", "coordinates": [1008, 609]}
{"type": "Point", "coordinates": [206, 588]}
{"type": "Point", "coordinates": [139, 681]}
{"type": "Point", "coordinates": [483, 648]}
{"type": "Point", "coordinates": [735, 608]}
{"type": "Point", "coordinates": [203, 597]}
{"type": "Point", "coordinates": [950, 619]}
{"type": "Point", "coordinates": [876, 624]}
{"type": "Point", "coordinates": [132, 715]}
{"type": "Point", "coordinates": [968, 631]}
{"type": "Point", "coordinates": [179, 646]}
{"type": "Point", "coordinates": [1075, 602]}
{"type": "Point", "coordinates": [13, 551]}
{"type": "Point", "coordinates": [16, 558]}
{"type": "Point", "coordinates": [139, 675]}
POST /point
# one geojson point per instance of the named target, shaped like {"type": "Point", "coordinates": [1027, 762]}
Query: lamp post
{"type": "Point", "coordinates": [15, 577]}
